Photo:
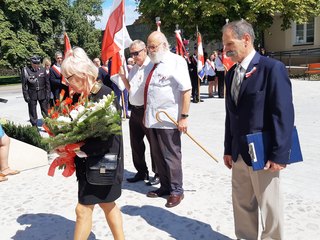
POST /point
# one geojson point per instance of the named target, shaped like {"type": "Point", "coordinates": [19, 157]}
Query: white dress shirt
{"type": "Point", "coordinates": [169, 79]}
{"type": "Point", "coordinates": [219, 64]}
{"type": "Point", "coordinates": [209, 68]}
{"type": "Point", "coordinates": [245, 62]}
{"type": "Point", "coordinates": [137, 80]}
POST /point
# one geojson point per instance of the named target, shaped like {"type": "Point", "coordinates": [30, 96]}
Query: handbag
{"type": "Point", "coordinates": [102, 171]}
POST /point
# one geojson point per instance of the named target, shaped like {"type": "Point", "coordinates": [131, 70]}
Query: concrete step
{"type": "Point", "coordinates": [23, 156]}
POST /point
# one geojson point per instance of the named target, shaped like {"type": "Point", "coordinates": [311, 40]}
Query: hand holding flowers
{"type": "Point", "coordinates": [69, 125]}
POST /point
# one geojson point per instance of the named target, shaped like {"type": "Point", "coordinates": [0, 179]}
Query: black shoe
{"type": "Point", "coordinates": [139, 177]}
{"type": "Point", "coordinates": [158, 193]}
{"type": "Point", "coordinates": [154, 181]}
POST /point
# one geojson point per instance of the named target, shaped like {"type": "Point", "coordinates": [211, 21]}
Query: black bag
{"type": "Point", "coordinates": [102, 171]}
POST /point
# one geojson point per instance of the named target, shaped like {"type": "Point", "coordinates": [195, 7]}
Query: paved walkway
{"type": "Point", "coordinates": [35, 206]}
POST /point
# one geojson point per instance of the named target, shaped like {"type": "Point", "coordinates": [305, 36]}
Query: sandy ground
{"type": "Point", "coordinates": [36, 206]}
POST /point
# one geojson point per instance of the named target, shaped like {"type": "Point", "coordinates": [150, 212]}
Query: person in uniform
{"type": "Point", "coordinates": [57, 82]}
{"type": "Point", "coordinates": [35, 88]}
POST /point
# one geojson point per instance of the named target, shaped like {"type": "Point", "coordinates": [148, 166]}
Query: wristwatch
{"type": "Point", "coordinates": [184, 115]}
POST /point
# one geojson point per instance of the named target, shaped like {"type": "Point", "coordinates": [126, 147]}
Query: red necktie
{"type": "Point", "coordinates": [147, 85]}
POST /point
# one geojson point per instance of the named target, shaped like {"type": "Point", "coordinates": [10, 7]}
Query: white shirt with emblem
{"type": "Point", "coordinates": [169, 79]}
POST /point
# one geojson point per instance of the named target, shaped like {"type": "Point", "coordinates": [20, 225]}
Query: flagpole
{"type": "Point", "coordinates": [123, 59]}
{"type": "Point", "coordinates": [199, 100]}
{"type": "Point", "coordinates": [158, 22]}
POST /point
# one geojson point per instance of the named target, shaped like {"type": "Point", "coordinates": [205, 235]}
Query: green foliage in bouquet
{"type": "Point", "coordinates": [27, 134]}
{"type": "Point", "coordinates": [85, 120]}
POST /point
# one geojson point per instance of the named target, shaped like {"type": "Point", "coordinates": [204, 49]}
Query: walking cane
{"type": "Point", "coordinates": [172, 120]}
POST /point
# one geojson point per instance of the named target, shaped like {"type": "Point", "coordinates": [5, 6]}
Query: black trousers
{"type": "Point", "coordinates": [137, 133]}
{"type": "Point", "coordinates": [220, 75]}
{"type": "Point", "coordinates": [195, 89]}
{"type": "Point", "coordinates": [32, 106]}
{"type": "Point", "coordinates": [168, 141]}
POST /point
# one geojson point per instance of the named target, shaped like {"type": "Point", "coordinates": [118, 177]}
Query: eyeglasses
{"type": "Point", "coordinates": [67, 78]}
{"type": "Point", "coordinates": [152, 47]}
{"type": "Point", "coordinates": [135, 54]}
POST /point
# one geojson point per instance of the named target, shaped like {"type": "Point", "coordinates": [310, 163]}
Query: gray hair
{"type": "Point", "coordinates": [58, 53]}
{"type": "Point", "coordinates": [77, 62]}
{"type": "Point", "coordinates": [239, 28]}
{"type": "Point", "coordinates": [139, 43]}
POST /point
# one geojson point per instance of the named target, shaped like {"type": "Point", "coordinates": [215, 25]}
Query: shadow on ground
{"type": "Point", "coordinates": [46, 226]}
{"type": "Point", "coordinates": [178, 227]}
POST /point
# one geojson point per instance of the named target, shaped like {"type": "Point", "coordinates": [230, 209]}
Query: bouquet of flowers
{"type": "Point", "coordinates": [69, 125]}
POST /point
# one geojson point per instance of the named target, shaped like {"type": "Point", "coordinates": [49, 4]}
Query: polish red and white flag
{"type": "Point", "coordinates": [115, 39]}
{"type": "Point", "coordinates": [226, 61]}
{"type": "Point", "coordinates": [180, 48]}
{"type": "Point", "coordinates": [67, 47]}
{"type": "Point", "coordinates": [200, 63]}
{"type": "Point", "coordinates": [200, 57]}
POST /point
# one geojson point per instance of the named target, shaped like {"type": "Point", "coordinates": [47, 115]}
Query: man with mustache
{"type": "Point", "coordinates": [167, 88]}
{"type": "Point", "coordinates": [258, 98]}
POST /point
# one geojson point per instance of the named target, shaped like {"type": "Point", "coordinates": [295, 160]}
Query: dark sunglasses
{"type": "Point", "coordinates": [134, 54]}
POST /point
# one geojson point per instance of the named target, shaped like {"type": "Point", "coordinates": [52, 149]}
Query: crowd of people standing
{"type": "Point", "coordinates": [159, 87]}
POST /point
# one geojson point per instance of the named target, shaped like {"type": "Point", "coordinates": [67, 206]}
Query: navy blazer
{"type": "Point", "coordinates": [56, 84]}
{"type": "Point", "coordinates": [264, 104]}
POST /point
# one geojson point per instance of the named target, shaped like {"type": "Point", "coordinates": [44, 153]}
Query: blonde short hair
{"type": "Point", "coordinates": [46, 61]}
{"type": "Point", "coordinates": [77, 62]}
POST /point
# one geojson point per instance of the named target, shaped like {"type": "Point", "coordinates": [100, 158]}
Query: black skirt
{"type": "Point", "coordinates": [89, 194]}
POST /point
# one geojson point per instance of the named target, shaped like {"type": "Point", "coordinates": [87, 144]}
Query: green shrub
{"type": "Point", "coordinates": [4, 80]}
{"type": "Point", "coordinates": [27, 134]}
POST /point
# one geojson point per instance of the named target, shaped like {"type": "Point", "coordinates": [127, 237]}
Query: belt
{"type": "Point", "coordinates": [138, 107]}
{"type": "Point", "coordinates": [36, 88]}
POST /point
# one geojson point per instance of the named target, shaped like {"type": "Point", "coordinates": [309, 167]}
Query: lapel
{"type": "Point", "coordinates": [249, 75]}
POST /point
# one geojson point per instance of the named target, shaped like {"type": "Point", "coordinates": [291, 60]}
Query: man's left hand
{"type": "Point", "coordinates": [183, 125]}
{"type": "Point", "coordinates": [273, 167]}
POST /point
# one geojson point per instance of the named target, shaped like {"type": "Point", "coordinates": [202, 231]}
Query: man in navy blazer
{"type": "Point", "coordinates": [56, 78]}
{"type": "Point", "coordinates": [262, 103]}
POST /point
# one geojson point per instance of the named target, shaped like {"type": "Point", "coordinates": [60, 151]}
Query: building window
{"type": "Point", "coordinates": [303, 33]}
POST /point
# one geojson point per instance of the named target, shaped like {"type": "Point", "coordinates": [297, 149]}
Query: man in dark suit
{"type": "Point", "coordinates": [258, 98]}
{"type": "Point", "coordinates": [104, 74]}
{"type": "Point", "coordinates": [193, 72]}
{"type": "Point", "coordinates": [57, 81]}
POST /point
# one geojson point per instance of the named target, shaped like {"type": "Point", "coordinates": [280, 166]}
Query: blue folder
{"type": "Point", "coordinates": [259, 147]}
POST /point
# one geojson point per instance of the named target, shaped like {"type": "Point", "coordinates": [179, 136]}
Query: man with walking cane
{"type": "Point", "coordinates": [167, 88]}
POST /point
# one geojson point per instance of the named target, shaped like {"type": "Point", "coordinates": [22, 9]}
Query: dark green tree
{"type": "Point", "coordinates": [210, 16]}
{"type": "Point", "coordinates": [28, 27]}
{"type": "Point", "coordinates": [35, 27]}
{"type": "Point", "coordinates": [80, 25]}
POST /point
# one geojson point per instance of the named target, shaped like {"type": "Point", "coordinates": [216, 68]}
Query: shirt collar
{"type": "Point", "coordinates": [246, 61]}
{"type": "Point", "coordinates": [146, 62]}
